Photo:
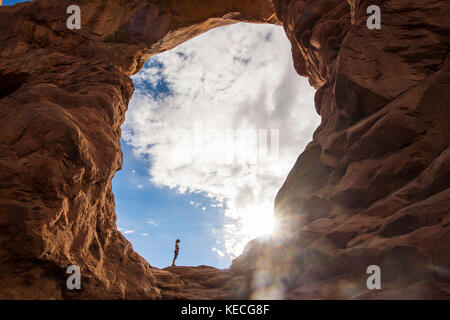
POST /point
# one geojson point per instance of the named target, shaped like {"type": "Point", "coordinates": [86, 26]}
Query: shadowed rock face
{"type": "Point", "coordinates": [373, 185]}
{"type": "Point", "coordinates": [371, 188]}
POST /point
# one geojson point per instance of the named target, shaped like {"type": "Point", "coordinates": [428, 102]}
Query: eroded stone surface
{"type": "Point", "coordinates": [371, 188]}
{"type": "Point", "coordinates": [373, 185]}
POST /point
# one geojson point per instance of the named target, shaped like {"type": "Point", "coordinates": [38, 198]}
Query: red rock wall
{"type": "Point", "coordinates": [63, 97]}
{"type": "Point", "coordinates": [371, 188]}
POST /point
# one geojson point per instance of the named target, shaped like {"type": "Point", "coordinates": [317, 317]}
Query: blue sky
{"type": "Point", "coordinates": [10, 2]}
{"type": "Point", "coordinates": [152, 217]}
{"type": "Point", "coordinates": [164, 215]}
{"type": "Point", "coordinates": [234, 89]}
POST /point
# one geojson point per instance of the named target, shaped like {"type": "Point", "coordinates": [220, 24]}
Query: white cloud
{"type": "Point", "coordinates": [235, 77]}
{"type": "Point", "coordinates": [152, 223]}
{"type": "Point", "coordinates": [219, 252]}
{"type": "Point", "coordinates": [194, 204]}
{"type": "Point", "coordinates": [144, 234]}
{"type": "Point", "coordinates": [129, 231]}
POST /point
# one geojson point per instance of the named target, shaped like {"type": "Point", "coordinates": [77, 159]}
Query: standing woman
{"type": "Point", "coordinates": [177, 248]}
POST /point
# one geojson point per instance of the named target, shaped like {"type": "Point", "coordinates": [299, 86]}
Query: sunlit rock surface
{"type": "Point", "coordinates": [371, 188]}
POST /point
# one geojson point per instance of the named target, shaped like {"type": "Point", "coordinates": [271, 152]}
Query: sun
{"type": "Point", "coordinates": [258, 220]}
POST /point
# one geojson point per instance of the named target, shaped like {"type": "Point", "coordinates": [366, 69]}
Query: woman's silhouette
{"type": "Point", "coordinates": [177, 248]}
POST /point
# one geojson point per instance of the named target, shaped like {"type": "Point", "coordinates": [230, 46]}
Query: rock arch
{"type": "Point", "coordinates": [371, 188]}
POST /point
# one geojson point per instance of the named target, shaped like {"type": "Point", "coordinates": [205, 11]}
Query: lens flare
{"type": "Point", "coordinates": [258, 220]}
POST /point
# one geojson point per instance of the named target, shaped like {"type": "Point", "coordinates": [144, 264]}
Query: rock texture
{"type": "Point", "coordinates": [371, 188]}
{"type": "Point", "coordinates": [373, 185]}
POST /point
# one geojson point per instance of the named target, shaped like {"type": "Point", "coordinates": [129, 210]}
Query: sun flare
{"type": "Point", "coordinates": [258, 220]}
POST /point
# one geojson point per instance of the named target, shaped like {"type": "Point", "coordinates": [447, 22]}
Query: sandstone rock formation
{"type": "Point", "coordinates": [373, 185]}
{"type": "Point", "coordinates": [371, 188]}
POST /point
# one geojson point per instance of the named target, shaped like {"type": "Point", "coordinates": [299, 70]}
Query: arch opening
{"type": "Point", "coordinates": [208, 141]}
